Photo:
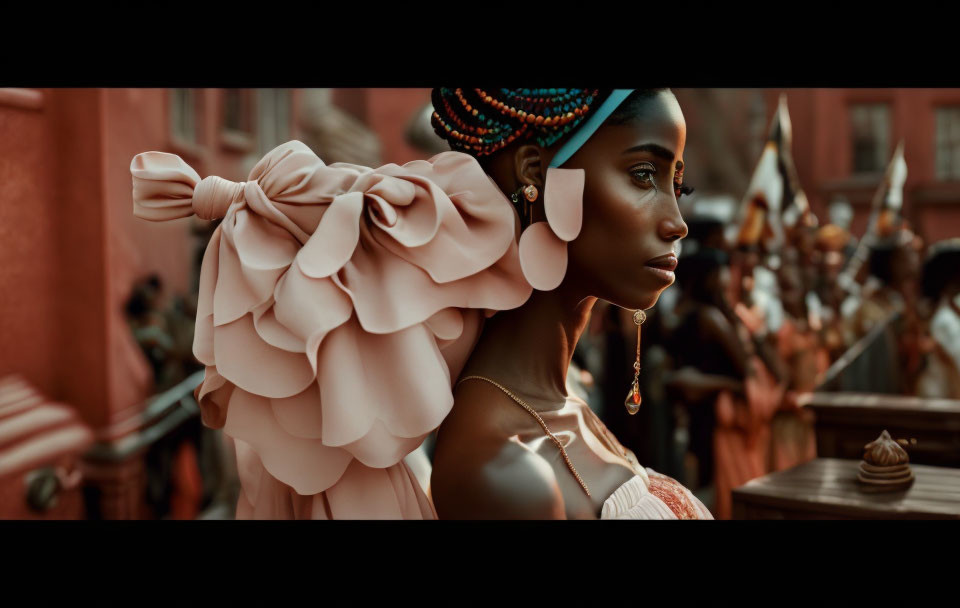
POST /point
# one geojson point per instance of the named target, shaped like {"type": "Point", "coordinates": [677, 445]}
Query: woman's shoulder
{"type": "Point", "coordinates": [481, 470]}
{"type": "Point", "coordinates": [515, 484]}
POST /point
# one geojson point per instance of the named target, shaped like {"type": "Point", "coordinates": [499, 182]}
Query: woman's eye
{"type": "Point", "coordinates": [643, 174]}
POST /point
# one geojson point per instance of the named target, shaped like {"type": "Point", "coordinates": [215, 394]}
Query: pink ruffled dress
{"type": "Point", "coordinates": [337, 306]}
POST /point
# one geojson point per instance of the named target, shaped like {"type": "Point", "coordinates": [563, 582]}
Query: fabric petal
{"type": "Point", "coordinates": [381, 448]}
{"type": "Point", "coordinates": [233, 296]}
{"type": "Point", "coordinates": [246, 360]}
{"type": "Point", "coordinates": [456, 352]}
{"type": "Point", "coordinates": [264, 251]}
{"type": "Point", "coordinates": [213, 397]}
{"type": "Point", "coordinates": [262, 245]}
{"type": "Point", "coordinates": [310, 308]}
{"type": "Point", "coordinates": [416, 208]}
{"type": "Point", "coordinates": [249, 470]}
{"type": "Point", "coordinates": [203, 328]}
{"type": "Point", "coordinates": [368, 493]}
{"type": "Point", "coordinates": [306, 465]}
{"type": "Point", "coordinates": [335, 239]}
{"type": "Point", "coordinates": [399, 378]}
{"type": "Point", "coordinates": [273, 332]}
{"type": "Point", "coordinates": [377, 281]}
{"type": "Point", "coordinates": [475, 220]}
{"type": "Point", "coordinates": [446, 324]}
{"type": "Point", "coordinates": [300, 415]}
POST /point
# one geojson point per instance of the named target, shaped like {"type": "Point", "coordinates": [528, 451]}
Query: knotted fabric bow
{"type": "Point", "coordinates": [337, 304]}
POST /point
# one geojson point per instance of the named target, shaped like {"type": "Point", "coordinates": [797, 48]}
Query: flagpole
{"type": "Point", "coordinates": [847, 277]}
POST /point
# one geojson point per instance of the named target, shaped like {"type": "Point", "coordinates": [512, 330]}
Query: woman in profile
{"type": "Point", "coordinates": [345, 313]}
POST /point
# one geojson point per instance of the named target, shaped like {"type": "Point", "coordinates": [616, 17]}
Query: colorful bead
{"type": "Point", "coordinates": [549, 113]}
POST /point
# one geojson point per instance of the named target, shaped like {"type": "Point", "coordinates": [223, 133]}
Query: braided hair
{"type": "Point", "coordinates": [480, 122]}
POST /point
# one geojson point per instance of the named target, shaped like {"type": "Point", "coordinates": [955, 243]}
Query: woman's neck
{"type": "Point", "coordinates": [529, 349]}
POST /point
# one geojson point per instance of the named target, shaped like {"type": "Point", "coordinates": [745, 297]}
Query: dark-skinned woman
{"type": "Point", "coordinates": [346, 313]}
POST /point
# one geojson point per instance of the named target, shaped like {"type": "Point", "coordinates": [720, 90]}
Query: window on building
{"type": "Point", "coordinates": [274, 118]}
{"type": "Point", "coordinates": [947, 142]}
{"type": "Point", "coordinates": [238, 111]}
{"type": "Point", "coordinates": [870, 133]}
{"type": "Point", "coordinates": [183, 115]}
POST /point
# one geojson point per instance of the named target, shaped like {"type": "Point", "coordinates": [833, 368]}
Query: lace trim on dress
{"type": "Point", "coordinates": [669, 500]}
{"type": "Point", "coordinates": [633, 500]}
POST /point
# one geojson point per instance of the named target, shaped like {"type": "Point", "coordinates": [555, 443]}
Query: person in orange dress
{"type": "Point", "coordinates": [725, 379]}
{"type": "Point", "coordinates": [806, 360]}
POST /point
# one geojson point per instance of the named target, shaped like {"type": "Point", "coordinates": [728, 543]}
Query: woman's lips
{"type": "Point", "coordinates": [667, 262]}
{"type": "Point", "coordinates": [663, 267]}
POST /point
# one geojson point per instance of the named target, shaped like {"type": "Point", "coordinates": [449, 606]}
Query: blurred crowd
{"type": "Point", "coordinates": [731, 350]}
{"type": "Point", "coordinates": [191, 471]}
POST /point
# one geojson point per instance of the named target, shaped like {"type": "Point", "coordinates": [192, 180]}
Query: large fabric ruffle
{"type": "Point", "coordinates": [337, 304]}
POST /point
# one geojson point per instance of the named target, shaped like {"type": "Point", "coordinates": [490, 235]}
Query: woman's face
{"type": "Point", "coordinates": [631, 222]}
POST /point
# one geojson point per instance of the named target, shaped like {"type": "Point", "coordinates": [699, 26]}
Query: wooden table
{"type": "Point", "coordinates": [846, 421]}
{"type": "Point", "coordinates": [827, 488]}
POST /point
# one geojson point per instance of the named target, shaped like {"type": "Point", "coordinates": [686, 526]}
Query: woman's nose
{"type": "Point", "coordinates": [673, 227]}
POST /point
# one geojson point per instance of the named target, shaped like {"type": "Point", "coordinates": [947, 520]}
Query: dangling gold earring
{"type": "Point", "coordinates": [633, 397]}
{"type": "Point", "coordinates": [530, 194]}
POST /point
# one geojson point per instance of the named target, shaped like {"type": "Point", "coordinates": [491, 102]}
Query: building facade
{"type": "Point", "coordinates": [843, 139]}
{"type": "Point", "coordinates": [72, 248]}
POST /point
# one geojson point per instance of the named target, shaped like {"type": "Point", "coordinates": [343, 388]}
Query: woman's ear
{"type": "Point", "coordinates": [529, 166]}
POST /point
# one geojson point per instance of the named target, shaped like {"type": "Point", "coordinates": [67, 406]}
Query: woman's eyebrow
{"type": "Point", "coordinates": [654, 149]}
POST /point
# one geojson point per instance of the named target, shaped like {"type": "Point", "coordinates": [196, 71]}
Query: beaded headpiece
{"type": "Point", "coordinates": [481, 122]}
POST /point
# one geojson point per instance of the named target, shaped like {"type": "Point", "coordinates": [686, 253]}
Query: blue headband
{"type": "Point", "coordinates": [581, 135]}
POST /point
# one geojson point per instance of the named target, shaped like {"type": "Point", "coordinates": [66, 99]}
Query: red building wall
{"type": "Point", "coordinates": [822, 148]}
{"type": "Point", "coordinates": [70, 247]}
{"type": "Point", "coordinates": [388, 113]}
{"type": "Point", "coordinates": [29, 247]}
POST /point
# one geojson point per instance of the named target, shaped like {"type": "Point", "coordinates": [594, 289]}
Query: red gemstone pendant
{"type": "Point", "coordinates": [633, 399]}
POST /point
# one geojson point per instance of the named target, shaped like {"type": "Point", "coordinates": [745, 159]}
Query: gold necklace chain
{"type": "Point", "coordinates": [543, 424]}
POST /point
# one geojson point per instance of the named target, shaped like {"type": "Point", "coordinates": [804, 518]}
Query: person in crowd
{"type": "Point", "coordinates": [723, 378]}
{"type": "Point", "coordinates": [149, 325]}
{"type": "Point", "coordinates": [805, 361]}
{"type": "Point", "coordinates": [941, 286]}
{"type": "Point", "coordinates": [832, 245]}
{"type": "Point", "coordinates": [893, 295]}
{"type": "Point", "coordinates": [894, 266]}
{"type": "Point", "coordinates": [164, 333]}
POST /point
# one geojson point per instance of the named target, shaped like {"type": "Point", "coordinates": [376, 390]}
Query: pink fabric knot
{"type": "Point", "coordinates": [337, 304]}
{"type": "Point", "coordinates": [214, 195]}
